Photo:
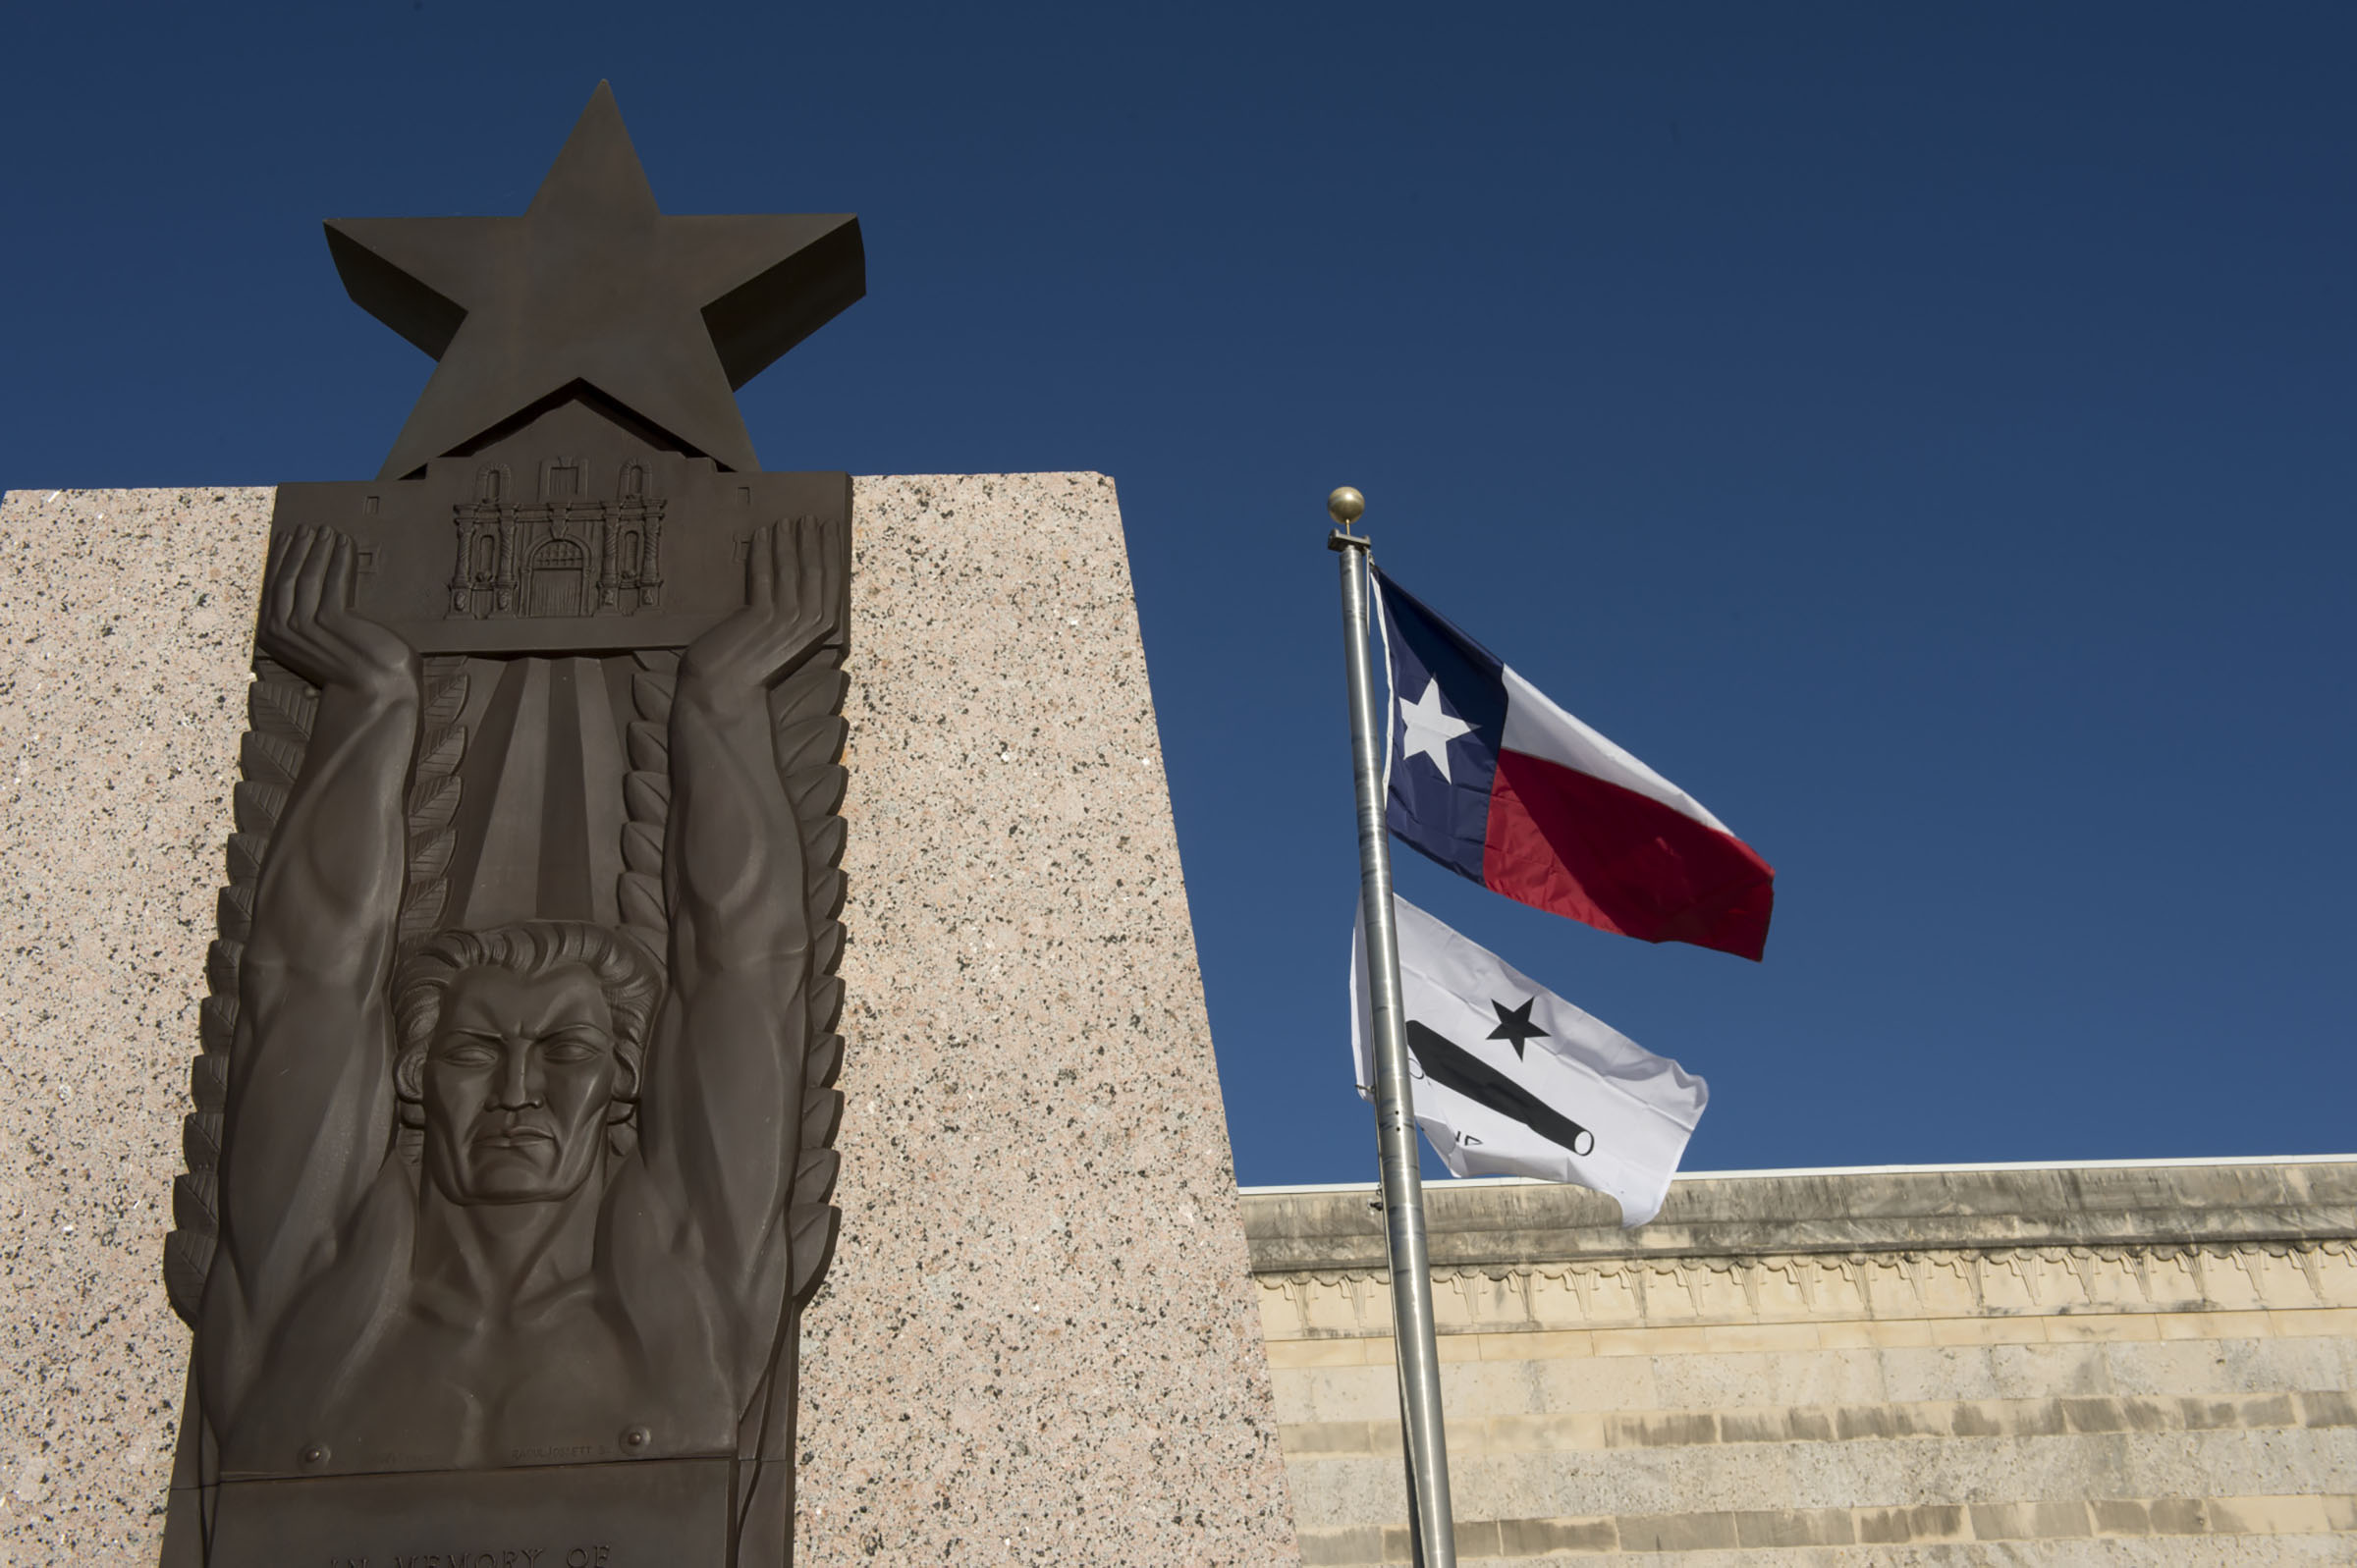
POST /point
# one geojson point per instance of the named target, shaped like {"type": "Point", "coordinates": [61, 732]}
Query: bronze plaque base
{"type": "Point", "coordinates": [662, 1513]}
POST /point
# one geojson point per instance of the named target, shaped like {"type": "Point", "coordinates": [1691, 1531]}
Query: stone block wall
{"type": "Point", "coordinates": [2122, 1365]}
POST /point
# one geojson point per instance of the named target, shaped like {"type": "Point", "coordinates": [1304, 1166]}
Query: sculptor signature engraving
{"type": "Point", "coordinates": [599, 1556]}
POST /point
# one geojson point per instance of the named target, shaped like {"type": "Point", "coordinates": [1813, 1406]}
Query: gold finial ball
{"type": "Point", "coordinates": [1344, 506]}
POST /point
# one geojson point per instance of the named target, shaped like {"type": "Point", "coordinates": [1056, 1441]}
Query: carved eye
{"type": "Point", "coordinates": [578, 1046]}
{"type": "Point", "coordinates": [464, 1052]}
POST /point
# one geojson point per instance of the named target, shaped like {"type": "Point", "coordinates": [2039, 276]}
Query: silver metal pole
{"type": "Point", "coordinates": [1432, 1526]}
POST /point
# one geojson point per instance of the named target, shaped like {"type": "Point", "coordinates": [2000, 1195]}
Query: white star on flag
{"type": "Point", "coordinates": [1429, 729]}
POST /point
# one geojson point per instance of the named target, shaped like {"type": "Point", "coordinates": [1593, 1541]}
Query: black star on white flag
{"type": "Point", "coordinates": [1514, 1025]}
{"type": "Point", "coordinates": [1512, 1080]}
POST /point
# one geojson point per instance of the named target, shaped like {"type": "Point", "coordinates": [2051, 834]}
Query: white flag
{"type": "Point", "coordinates": [1512, 1080]}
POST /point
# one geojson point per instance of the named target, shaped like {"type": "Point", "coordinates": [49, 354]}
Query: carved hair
{"type": "Point", "coordinates": [628, 978]}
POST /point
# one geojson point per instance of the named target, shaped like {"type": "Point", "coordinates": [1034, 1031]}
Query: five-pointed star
{"type": "Point", "coordinates": [1514, 1025]}
{"type": "Point", "coordinates": [1429, 729]}
{"type": "Point", "coordinates": [593, 286]}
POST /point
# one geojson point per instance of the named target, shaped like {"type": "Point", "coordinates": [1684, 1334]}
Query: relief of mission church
{"type": "Point", "coordinates": [564, 551]}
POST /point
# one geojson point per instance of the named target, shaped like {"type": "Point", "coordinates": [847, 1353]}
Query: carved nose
{"type": "Point", "coordinates": [514, 1089]}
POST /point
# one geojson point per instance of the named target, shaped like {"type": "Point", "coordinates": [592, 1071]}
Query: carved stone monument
{"type": "Point", "coordinates": [509, 1169]}
{"type": "Point", "coordinates": [586, 785]}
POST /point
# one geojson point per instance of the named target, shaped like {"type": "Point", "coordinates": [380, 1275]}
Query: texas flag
{"type": "Point", "coordinates": [1498, 783]}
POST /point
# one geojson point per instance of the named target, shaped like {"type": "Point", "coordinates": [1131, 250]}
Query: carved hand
{"type": "Point", "coordinates": [788, 569]}
{"type": "Point", "coordinates": [308, 626]}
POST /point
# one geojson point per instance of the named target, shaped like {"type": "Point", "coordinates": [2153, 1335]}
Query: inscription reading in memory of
{"type": "Point", "coordinates": [599, 1556]}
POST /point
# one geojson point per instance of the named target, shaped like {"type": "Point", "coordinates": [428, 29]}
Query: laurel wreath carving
{"type": "Point", "coordinates": [806, 709]}
{"type": "Point", "coordinates": [433, 802]}
{"type": "Point", "coordinates": [280, 708]}
{"type": "Point", "coordinates": [432, 810]}
{"type": "Point", "coordinates": [808, 731]}
{"type": "Point", "coordinates": [646, 803]}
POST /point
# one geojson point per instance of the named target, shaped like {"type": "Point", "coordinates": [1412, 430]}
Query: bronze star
{"type": "Point", "coordinates": [595, 293]}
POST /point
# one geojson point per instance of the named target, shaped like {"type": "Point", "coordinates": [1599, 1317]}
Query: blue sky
{"type": "Point", "coordinates": [1923, 433]}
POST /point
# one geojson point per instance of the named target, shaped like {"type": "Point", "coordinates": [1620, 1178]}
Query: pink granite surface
{"type": "Point", "coordinates": [125, 619]}
{"type": "Point", "coordinates": [1038, 1344]}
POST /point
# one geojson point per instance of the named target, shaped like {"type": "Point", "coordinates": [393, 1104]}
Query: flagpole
{"type": "Point", "coordinates": [1432, 1526]}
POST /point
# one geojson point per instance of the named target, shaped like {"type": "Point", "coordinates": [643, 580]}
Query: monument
{"type": "Point", "coordinates": [509, 1165]}
{"type": "Point", "coordinates": [510, 1168]}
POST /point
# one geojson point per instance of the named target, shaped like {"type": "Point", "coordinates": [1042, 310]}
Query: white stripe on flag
{"type": "Point", "coordinates": [1536, 726]}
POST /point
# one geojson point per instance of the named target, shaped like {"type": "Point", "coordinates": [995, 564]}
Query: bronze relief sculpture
{"type": "Point", "coordinates": [510, 1166]}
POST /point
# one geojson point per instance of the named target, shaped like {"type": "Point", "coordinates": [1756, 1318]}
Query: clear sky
{"type": "Point", "coordinates": [1924, 433]}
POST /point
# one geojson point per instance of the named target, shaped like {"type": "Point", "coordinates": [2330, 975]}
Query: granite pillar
{"type": "Point", "coordinates": [1038, 1341]}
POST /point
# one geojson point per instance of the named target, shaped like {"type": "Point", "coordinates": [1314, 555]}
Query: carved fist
{"type": "Point", "coordinates": [788, 569]}
{"type": "Point", "coordinates": [308, 626]}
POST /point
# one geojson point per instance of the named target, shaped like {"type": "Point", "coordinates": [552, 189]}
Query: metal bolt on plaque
{"type": "Point", "coordinates": [509, 1170]}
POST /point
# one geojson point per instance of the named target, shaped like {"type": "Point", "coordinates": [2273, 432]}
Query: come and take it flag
{"type": "Point", "coordinates": [1498, 783]}
{"type": "Point", "coordinates": [1512, 1080]}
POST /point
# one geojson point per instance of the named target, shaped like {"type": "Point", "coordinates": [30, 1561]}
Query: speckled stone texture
{"type": "Point", "coordinates": [124, 620]}
{"type": "Point", "coordinates": [1038, 1344]}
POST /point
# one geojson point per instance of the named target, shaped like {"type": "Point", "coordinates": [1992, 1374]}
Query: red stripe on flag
{"type": "Point", "coordinates": [1574, 845]}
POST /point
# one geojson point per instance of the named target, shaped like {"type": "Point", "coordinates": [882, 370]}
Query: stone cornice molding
{"type": "Point", "coordinates": [1485, 1227]}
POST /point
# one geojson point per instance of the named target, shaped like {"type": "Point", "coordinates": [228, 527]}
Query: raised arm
{"type": "Point", "coordinates": [310, 1095]}
{"type": "Point", "coordinates": [719, 1112]}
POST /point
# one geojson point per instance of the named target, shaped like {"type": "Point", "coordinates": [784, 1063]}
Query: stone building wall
{"type": "Point", "coordinates": [2140, 1364]}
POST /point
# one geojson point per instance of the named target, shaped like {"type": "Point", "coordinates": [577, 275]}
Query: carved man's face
{"type": "Point", "coordinates": [516, 1085]}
